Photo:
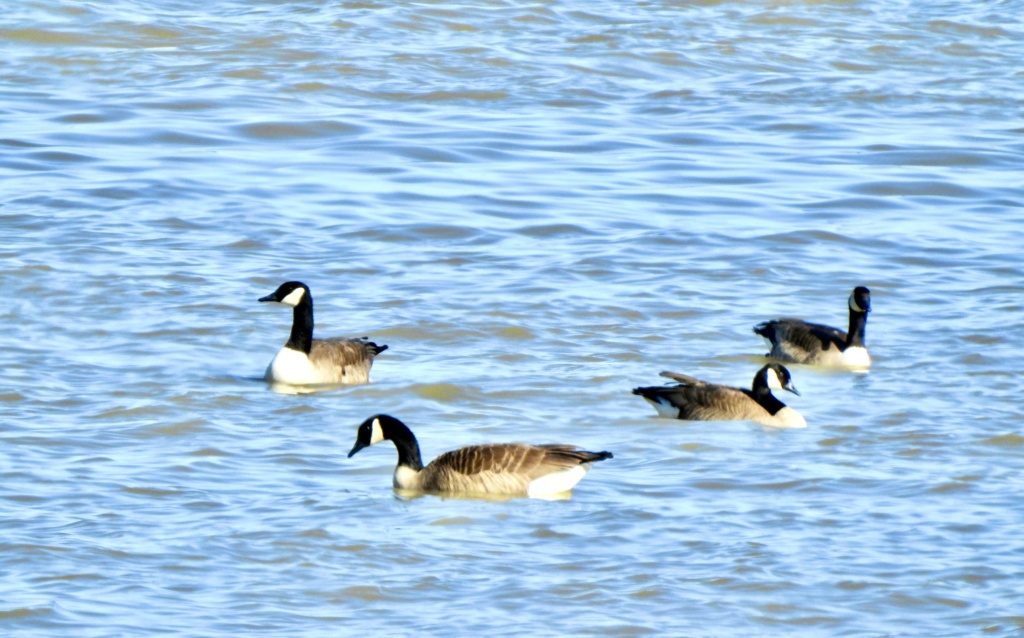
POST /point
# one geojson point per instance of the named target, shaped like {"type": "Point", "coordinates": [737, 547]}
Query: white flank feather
{"type": "Point", "coordinates": [557, 482]}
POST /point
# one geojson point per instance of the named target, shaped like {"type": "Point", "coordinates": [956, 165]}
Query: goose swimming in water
{"type": "Point", "coordinates": [797, 341]}
{"type": "Point", "coordinates": [696, 400]}
{"type": "Point", "coordinates": [512, 469]}
{"type": "Point", "coordinates": [307, 361]}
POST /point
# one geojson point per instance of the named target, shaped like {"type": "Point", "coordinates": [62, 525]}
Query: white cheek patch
{"type": "Point", "coordinates": [773, 380]}
{"type": "Point", "coordinates": [294, 297]}
{"type": "Point", "coordinates": [853, 304]}
{"type": "Point", "coordinates": [377, 434]}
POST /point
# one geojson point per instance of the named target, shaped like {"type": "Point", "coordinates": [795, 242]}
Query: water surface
{"type": "Point", "coordinates": [538, 207]}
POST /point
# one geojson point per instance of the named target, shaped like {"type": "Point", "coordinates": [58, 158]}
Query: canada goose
{"type": "Point", "coordinates": [796, 341]}
{"type": "Point", "coordinates": [307, 361]}
{"type": "Point", "coordinates": [497, 468]}
{"type": "Point", "coordinates": [696, 400]}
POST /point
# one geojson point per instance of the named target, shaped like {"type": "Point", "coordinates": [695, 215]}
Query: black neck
{"type": "Point", "coordinates": [855, 335]}
{"type": "Point", "coordinates": [405, 443]}
{"type": "Point", "coordinates": [301, 338]}
{"type": "Point", "coordinates": [763, 395]}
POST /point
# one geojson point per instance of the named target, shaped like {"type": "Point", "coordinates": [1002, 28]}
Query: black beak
{"type": "Point", "coordinates": [269, 297]}
{"type": "Point", "coordinates": [792, 388]}
{"type": "Point", "coordinates": [355, 448]}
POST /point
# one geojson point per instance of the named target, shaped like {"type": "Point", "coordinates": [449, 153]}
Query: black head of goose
{"type": "Point", "coordinates": [515, 469]}
{"type": "Point", "coordinates": [307, 361]}
{"type": "Point", "coordinates": [695, 400]}
{"type": "Point", "coordinates": [797, 341]}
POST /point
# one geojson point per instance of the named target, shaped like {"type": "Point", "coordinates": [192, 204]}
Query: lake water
{"type": "Point", "coordinates": [537, 206]}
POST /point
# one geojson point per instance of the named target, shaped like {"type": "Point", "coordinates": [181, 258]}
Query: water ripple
{"type": "Point", "coordinates": [537, 208]}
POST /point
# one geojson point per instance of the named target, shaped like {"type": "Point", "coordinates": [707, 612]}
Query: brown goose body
{"type": "Point", "coordinates": [799, 341]}
{"type": "Point", "coordinates": [696, 400]}
{"type": "Point", "coordinates": [307, 361]}
{"type": "Point", "coordinates": [491, 469]}
{"type": "Point", "coordinates": [496, 468]}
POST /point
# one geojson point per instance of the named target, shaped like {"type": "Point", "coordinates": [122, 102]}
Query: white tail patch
{"type": "Point", "coordinates": [558, 482]}
{"type": "Point", "coordinates": [376, 436]}
{"type": "Point", "coordinates": [294, 297]}
{"type": "Point", "coordinates": [664, 407]}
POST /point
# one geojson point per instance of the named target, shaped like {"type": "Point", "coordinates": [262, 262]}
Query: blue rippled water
{"type": "Point", "coordinates": [537, 207]}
